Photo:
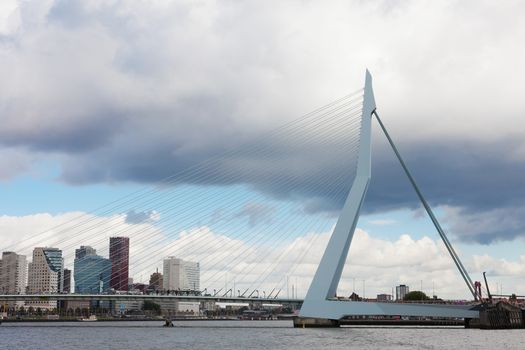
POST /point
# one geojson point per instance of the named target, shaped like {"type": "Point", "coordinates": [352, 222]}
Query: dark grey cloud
{"type": "Point", "coordinates": [487, 226]}
{"type": "Point", "coordinates": [127, 91]}
{"type": "Point", "coordinates": [257, 213]}
{"type": "Point", "coordinates": [94, 129]}
{"type": "Point", "coordinates": [477, 175]}
{"type": "Point", "coordinates": [484, 186]}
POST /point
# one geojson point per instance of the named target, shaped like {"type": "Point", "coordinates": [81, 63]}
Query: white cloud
{"type": "Point", "coordinates": [127, 90]}
{"type": "Point", "coordinates": [499, 267]}
{"type": "Point", "coordinates": [70, 230]}
{"type": "Point", "coordinates": [226, 260]}
{"type": "Point", "coordinates": [382, 222]}
{"type": "Point", "coordinates": [80, 64]}
{"type": "Point", "coordinates": [8, 16]}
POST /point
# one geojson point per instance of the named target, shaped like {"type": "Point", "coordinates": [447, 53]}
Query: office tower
{"type": "Point", "coordinates": [119, 256]}
{"type": "Point", "coordinates": [67, 281]}
{"type": "Point", "coordinates": [401, 291]}
{"type": "Point", "coordinates": [13, 273]}
{"type": "Point", "coordinates": [156, 280]}
{"type": "Point", "coordinates": [180, 275]}
{"type": "Point", "coordinates": [45, 271]}
{"type": "Point", "coordinates": [83, 251]}
{"type": "Point", "coordinates": [45, 275]}
{"type": "Point", "coordinates": [92, 274]}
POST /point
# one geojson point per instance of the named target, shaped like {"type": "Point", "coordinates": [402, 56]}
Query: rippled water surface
{"type": "Point", "coordinates": [245, 335]}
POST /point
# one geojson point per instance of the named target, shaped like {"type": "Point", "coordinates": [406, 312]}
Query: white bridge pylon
{"type": "Point", "coordinates": [320, 301]}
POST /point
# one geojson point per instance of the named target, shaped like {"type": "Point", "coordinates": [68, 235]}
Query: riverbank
{"type": "Point", "coordinates": [124, 319]}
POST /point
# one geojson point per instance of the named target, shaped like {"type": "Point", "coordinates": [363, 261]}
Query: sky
{"type": "Point", "coordinates": [100, 99]}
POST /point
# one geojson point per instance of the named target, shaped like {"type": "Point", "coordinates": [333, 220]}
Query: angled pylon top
{"type": "Point", "coordinates": [324, 284]}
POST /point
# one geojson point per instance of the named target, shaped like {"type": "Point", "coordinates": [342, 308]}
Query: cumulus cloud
{"type": "Point", "coordinates": [499, 267]}
{"type": "Point", "coordinates": [133, 217]}
{"type": "Point", "coordinates": [227, 261]}
{"type": "Point", "coordinates": [128, 91]}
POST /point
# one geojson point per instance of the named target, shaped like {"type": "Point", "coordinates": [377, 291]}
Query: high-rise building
{"type": "Point", "coordinates": [401, 291]}
{"type": "Point", "coordinates": [45, 275]}
{"type": "Point", "coordinates": [45, 271]}
{"type": "Point", "coordinates": [84, 250]}
{"type": "Point", "coordinates": [67, 281]}
{"type": "Point", "coordinates": [155, 280]}
{"type": "Point", "coordinates": [119, 256]}
{"type": "Point", "coordinates": [180, 275]}
{"type": "Point", "coordinates": [13, 273]}
{"type": "Point", "coordinates": [92, 274]}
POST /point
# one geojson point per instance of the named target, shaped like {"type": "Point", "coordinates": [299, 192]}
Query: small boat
{"type": "Point", "coordinates": [89, 319]}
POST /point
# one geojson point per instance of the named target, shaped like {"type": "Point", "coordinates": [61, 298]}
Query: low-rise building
{"type": "Point", "coordinates": [384, 297]}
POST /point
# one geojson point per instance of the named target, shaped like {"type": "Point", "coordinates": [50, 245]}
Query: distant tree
{"type": "Point", "coordinates": [151, 306]}
{"type": "Point", "coordinates": [30, 310]}
{"type": "Point", "coordinates": [39, 311]}
{"type": "Point", "coordinates": [415, 295]}
{"type": "Point", "coordinates": [287, 310]}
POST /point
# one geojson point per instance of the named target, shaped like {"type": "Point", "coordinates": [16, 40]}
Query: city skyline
{"type": "Point", "coordinates": [93, 274]}
{"type": "Point", "coordinates": [127, 115]}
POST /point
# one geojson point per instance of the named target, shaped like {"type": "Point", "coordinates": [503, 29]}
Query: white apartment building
{"type": "Point", "coordinates": [179, 274]}
{"type": "Point", "coordinates": [401, 291]}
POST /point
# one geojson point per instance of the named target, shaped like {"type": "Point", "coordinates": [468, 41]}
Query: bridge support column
{"type": "Point", "coordinates": [311, 322]}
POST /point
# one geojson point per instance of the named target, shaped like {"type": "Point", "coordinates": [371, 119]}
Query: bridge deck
{"type": "Point", "coordinates": [111, 297]}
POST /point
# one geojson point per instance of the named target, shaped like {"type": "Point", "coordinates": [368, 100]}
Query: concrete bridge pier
{"type": "Point", "coordinates": [311, 322]}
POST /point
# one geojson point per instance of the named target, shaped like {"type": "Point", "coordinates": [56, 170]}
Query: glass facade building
{"type": "Point", "coordinates": [83, 251]}
{"type": "Point", "coordinates": [92, 274]}
{"type": "Point", "coordinates": [67, 281]}
{"type": "Point", "coordinates": [56, 263]}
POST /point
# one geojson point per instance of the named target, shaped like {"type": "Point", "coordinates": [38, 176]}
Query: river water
{"type": "Point", "coordinates": [245, 335]}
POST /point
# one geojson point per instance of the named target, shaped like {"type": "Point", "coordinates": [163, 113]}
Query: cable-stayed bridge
{"type": "Point", "coordinates": [253, 218]}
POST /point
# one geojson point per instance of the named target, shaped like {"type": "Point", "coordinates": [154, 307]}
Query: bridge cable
{"type": "Point", "coordinates": [430, 213]}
